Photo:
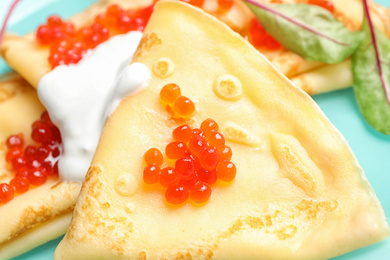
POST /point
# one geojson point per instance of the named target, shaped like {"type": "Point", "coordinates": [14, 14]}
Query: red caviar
{"type": "Point", "coordinates": [154, 156]}
{"type": "Point", "coordinates": [30, 164]}
{"type": "Point", "coordinates": [198, 164]}
{"type": "Point", "coordinates": [184, 106]}
{"type": "Point", "coordinates": [182, 133]}
{"type": "Point", "coordinates": [226, 171]}
{"type": "Point", "coordinates": [196, 145]}
{"type": "Point", "coordinates": [196, 132]}
{"type": "Point", "coordinates": [180, 105]}
{"type": "Point", "coordinates": [177, 194]}
{"type": "Point", "coordinates": [225, 154]}
{"type": "Point", "coordinates": [209, 158]}
{"type": "Point", "coordinates": [169, 93]}
{"type": "Point", "coordinates": [259, 38]}
{"type": "Point", "coordinates": [175, 150]}
{"type": "Point", "coordinates": [185, 167]}
{"type": "Point", "coordinates": [20, 184]}
{"type": "Point", "coordinates": [207, 176]}
{"type": "Point", "coordinates": [152, 174]}
{"type": "Point", "coordinates": [168, 177]}
{"type": "Point", "coordinates": [6, 193]}
{"type": "Point", "coordinates": [216, 139]}
{"type": "Point", "coordinates": [15, 141]}
{"type": "Point", "coordinates": [190, 182]}
{"type": "Point", "coordinates": [68, 45]}
{"type": "Point", "coordinates": [208, 126]}
{"type": "Point", "coordinates": [201, 192]}
{"type": "Point", "coordinates": [324, 4]}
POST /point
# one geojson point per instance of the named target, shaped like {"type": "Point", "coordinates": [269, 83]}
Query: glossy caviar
{"type": "Point", "coordinates": [259, 38]}
{"type": "Point", "coordinates": [197, 164]}
{"type": "Point", "coordinates": [195, 159]}
{"type": "Point", "coordinates": [171, 96]}
{"type": "Point", "coordinates": [32, 164]}
{"type": "Point", "coordinates": [68, 44]}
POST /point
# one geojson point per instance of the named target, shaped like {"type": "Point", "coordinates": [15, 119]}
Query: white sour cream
{"type": "Point", "coordinates": [80, 97]}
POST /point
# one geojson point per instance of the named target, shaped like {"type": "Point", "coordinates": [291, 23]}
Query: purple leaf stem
{"type": "Point", "coordinates": [263, 6]}
{"type": "Point", "coordinates": [3, 27]}
{"type": "Point", "coordinates": [374, 42]}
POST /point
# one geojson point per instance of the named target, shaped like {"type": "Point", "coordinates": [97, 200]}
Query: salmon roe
{"type": "Point", "coordinates": [176, 150]}
{"type": "Point", "coordinates": [68, 44]}
{"type": "Point", "coordinates": [323, 3]}
{"type": "Point", "coordinates": [199, 161]}
{"type": "Point", "coordinates": [182, 106]}
{"type": "Point", "coordinates": [32, 164]}
{"type": "Point", "coordinates": [169, 93]}
{"type": "Point", "coordinates": [201, 192]}
{"type": "Point", "coordinates": [259, 38]}
{"type": "Point", "coordinates": [154, 156]}
{"type": "Point", "coordinates": [182, 133]}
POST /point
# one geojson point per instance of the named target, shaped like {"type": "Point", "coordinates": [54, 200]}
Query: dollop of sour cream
{"type": "Point", "coordinates": [80, 97]}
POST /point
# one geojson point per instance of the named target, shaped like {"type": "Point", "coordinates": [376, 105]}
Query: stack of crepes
{"type": "Point", "coordinates": [313, 77]}
{"type": "Point", "coordinates": [297, 181]}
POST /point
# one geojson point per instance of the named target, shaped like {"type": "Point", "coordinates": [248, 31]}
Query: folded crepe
{"type": "Point", "coordinates": [313, 77]}
{"type": "Point", "coordinates": [30, 59]}
{"type": "Point", "coordinates": [297, 184]}
{"type": "Point", "coordinates": [42, 213]}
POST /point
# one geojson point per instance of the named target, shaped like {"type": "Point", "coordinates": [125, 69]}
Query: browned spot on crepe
{"type": "Point", "coordinates": [286, 232]}
{"type": "Point", "coordinates": [44, 210]}
{"type": "Point", "coordinates": [148, 41]}
{"type": "Point", "coordinates": [312, 209]}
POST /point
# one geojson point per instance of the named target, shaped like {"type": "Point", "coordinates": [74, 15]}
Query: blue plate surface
{"type": "Point", "coordinates": [371, 148]}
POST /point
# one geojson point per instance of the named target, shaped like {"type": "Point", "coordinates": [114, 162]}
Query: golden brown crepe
{"type": "Point", "coordinates": [312, 77]}
{"type": "Point", "coordinates": [294, 196]}
{"type": "Point", "coordinates": [43, 213]}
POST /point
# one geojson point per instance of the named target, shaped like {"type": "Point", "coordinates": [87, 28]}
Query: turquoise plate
{"type": "Point", "coordinates": [371, 148]}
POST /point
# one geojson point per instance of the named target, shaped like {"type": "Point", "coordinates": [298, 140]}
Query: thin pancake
{"type": "Point", "coordinates": [22, 52]}
{"type": "Point", "coordinates": [42, 213]}
{"type": "Point", "coordinates": [297, 181]}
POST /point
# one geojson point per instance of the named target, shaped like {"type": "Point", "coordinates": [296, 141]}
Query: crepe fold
{"type": "Point", "coordinates": [42, 213]}
{"type": "Point", "coordinates": [297, 184]}
{"type": "Point", "coordinates": [313, 77]}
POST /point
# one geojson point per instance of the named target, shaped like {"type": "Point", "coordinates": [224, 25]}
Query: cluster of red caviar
{"type": "Point", "coordinates": [171, 95]}
{"type": "Point", "coordinates": [30, 164]}
{"type": "Point", "coordinates": [201, 157]}
{"type": "Point", "coordinates": [323, 3]}
{"type": "Point", "coordinates": [259, 37]}
{"type": "Point", "coordinates": [68, 45]}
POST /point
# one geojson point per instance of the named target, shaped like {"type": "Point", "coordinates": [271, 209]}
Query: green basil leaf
{"type": "Point", "coordinates": [308, 30]}
{"type": "Point", "coordinates": [371, 77]}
